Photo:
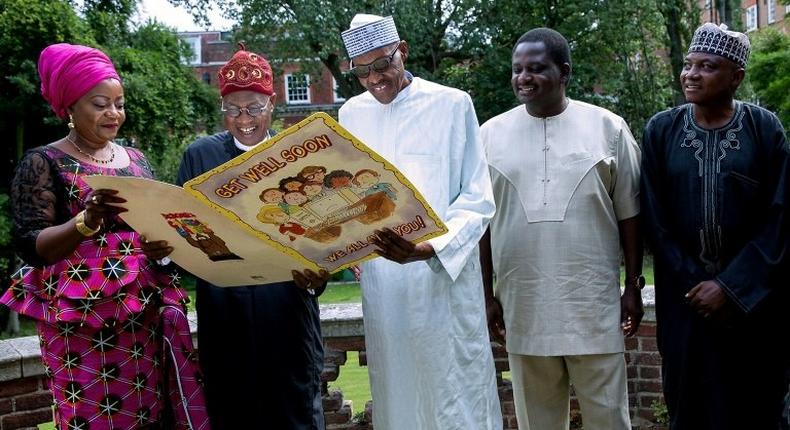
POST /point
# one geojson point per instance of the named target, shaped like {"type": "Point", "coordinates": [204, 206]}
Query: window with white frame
{"type": "Point", "coordinates": [297, 89]}
{"type": "Point", "coordinates": [787, 9]}
{"type": "Point", "coordinates": [751, 18]}
{"type": "Point", "coordinates": [771, 11]}
{"type": "Point", "coordinates": [194, 42]}
{"type": "Point", "coordinates": [336, 91]}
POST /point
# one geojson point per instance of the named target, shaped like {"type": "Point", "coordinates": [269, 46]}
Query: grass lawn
{"type": "Point", "coordinates": [345, 292]}
{"type": "Point", "coordinates": [353, 378]}
{"type": "Point", "coordinates": [353, 382]}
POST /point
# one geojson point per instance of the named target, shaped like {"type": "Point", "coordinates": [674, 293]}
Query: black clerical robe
{"type": "Point", "coordinates": [260, 347]}
{"type": "Point", "coordinates": [714, 204]}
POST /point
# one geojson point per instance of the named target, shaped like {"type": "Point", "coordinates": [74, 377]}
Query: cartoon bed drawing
{"type": "Point", "coordinates": [323, 216]}
{"type": "Point", "coordinates": [316, 210]}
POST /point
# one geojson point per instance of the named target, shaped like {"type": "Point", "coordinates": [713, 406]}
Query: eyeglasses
{"type": "Point", "coordinates": [380, 65]}
{"type": "Point", "coordinates": [253, 111]}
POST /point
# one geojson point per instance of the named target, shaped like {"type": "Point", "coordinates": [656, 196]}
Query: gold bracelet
{"type": "Point", "coordinates": [79, 223]}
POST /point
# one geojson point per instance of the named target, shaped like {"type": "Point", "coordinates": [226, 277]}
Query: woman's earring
{"type": "Point", "coordinates": [71, 122]}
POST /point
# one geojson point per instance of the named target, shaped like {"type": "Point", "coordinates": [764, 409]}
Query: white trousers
{"type": "Point", "coordinates": [541, 391]}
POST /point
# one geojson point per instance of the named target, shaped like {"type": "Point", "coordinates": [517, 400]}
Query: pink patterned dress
{"type": "Point", "coordinates": [115, 341]}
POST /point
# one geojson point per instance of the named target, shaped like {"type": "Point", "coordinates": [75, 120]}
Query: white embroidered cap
{"type": "Point", "coordinates": [369, 32]}
{"type": "Point", "coordinates": [717, 40]}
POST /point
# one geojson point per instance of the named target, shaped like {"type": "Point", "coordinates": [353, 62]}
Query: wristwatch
{"type": "Point", "coordinates": [79, 223]}
{"type": "Point", "coordinates": [637, 281]}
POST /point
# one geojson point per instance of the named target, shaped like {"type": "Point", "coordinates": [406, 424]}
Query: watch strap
{"type": "Point", "coordinates": [637, 281]}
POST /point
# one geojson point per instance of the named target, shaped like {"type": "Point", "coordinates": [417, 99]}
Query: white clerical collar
{"type": "Point", "coordinates": [246, 148]}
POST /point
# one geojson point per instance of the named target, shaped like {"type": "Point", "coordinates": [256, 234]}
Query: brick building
{"type": "Point", "coordinates": [757, 14]}
{"type": "Point", "coordinates": [299, 93]}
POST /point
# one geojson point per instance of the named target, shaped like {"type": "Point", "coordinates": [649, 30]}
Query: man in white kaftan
{"type": "Point", "coordinates": [428, 350]}
{"type": "Point", "coordinates": [566, 183]}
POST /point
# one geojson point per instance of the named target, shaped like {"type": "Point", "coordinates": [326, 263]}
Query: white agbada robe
{"type": "Point", "coordinates": [428, 350]}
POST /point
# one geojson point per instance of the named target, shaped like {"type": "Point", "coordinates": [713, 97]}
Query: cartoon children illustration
{"type": "Point", "coordinates": [368, 182]}
{"type": "Point", "coordinates": [312, 174]}
{"type": "Point", "coordinates": [272, 196]}
{"type": "Point", "coordinates": [275, 215]}
{"type": "Point", "coordinates": [290, 183]}
{"type": "Point", "coordinates": [338, 179]}
{"type": "Point", "coordinates": [312, 189]}
{"type": "Point", "coordinates": [293, 201]}
{"type": "Point", "coordinates": [200, 236]}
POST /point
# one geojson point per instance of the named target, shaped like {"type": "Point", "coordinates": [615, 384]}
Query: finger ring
{"type": "Point", "coordinates": [95, 199]}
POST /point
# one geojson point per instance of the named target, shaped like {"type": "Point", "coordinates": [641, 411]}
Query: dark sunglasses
{"type": "Point", "coordinates": [380, 65]}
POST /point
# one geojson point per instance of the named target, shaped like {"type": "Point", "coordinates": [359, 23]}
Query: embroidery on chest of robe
{"type": "Point", "coordinates": [710, 148]}
{"type": "Point", "coordinates": [548, 167]}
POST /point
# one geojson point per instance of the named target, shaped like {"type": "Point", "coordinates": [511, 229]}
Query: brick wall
{"type": "Point", "coordinates": [25, 402]}
{"type": "Point", "coordinates": [642, 358]}
{"type": "Point", "coordinates": [644, 375]}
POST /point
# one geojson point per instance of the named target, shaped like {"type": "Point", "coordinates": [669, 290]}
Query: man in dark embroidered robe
{"type": "Point", "coordinates": [260, 346]}
{"type": "Point", "coordinates": [714, 200]}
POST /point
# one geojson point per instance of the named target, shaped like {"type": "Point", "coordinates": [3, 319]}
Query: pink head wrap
{"type": "Point", "coordinates": [68, 72]}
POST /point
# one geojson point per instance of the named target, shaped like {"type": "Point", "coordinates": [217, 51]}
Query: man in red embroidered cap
{"type": "Point", "coordinates": [264, 340]}
{"type": "Point", "coordinates": [246, 87]}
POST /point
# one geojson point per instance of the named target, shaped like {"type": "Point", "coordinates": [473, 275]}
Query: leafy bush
{"type": "Point", "coordinates": [660, 412]}
{"type": "Point", "coordinates": [769, 72]}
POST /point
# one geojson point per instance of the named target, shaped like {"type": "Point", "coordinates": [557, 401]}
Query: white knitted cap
{"type": "Point", "coordinates": [369, 32]}
{"type": "Point", "coordinates": [717, 40]}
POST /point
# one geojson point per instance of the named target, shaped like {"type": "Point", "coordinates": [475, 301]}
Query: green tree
{"type": "Point", "coordinates": [467, 43]}
{"type": "Point", "coordinates": [768, 72]}
{"type": "Point", "coordinates": [291, 29]}
{"type": "Point", "coordinates": [299, 29]}
{"type": "Point", "coordinates": [614, 54]}
{"type": "Point", "coordinates": [681, 18]}
{"type": "Point", "coordinates": [728, 12]}
{"type": "Point", "coordinates": [109, 19]}
{"type": "Point", "coordinates": [25, 29]}
{"type": "Point", "coordinates": [166, 104]}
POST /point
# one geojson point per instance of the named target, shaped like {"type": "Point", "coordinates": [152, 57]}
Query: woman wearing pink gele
{"type": "Point", "coordinates": [114, 337]}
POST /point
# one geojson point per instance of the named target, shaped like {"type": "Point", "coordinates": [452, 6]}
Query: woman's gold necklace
{"type": "Point", "coordinates": [92, 158]}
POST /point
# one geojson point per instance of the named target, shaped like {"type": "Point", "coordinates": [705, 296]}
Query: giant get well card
{"type": "Point", "coordinates": [310, 197]}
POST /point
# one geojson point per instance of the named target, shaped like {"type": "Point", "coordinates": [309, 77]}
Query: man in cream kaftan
{"type": "Point", "coordinates": [428, 350]}
{"type": "Point", "coordinates": [565, 176]}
